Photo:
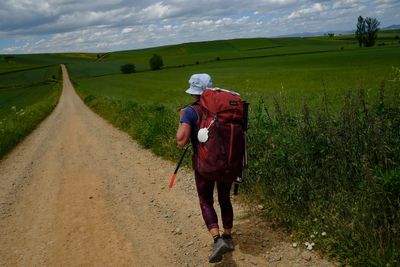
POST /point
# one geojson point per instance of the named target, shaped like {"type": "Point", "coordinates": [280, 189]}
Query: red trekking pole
{"type": "Point", "coordinates": [171, 183]}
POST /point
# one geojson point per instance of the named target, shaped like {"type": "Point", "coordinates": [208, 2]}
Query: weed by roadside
{"type": "Point", "coordinates": [30, 104]}
{"type": "Point", "coordinates": [333, 177]}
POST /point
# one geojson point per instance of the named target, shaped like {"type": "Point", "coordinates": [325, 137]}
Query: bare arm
{"type": "Point", "coordinates": [183, 134]}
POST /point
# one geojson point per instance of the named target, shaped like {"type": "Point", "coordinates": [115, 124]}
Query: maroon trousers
{"type": "Point", "coordinates": [205, 189]}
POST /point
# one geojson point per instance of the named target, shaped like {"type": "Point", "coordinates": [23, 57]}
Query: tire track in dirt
{"type": "Point", "coordinates": [77, 192]}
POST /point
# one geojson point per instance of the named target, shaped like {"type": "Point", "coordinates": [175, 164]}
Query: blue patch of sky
{"type": "Point", "coordinates": [5, 43]}
{"type": "Point", "coordinates": [20, 42]}
{"type": "Point", "coordinates": [243, 14]}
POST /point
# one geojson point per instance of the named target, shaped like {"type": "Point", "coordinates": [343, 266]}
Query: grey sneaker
{"type": "Point", "coordinates": [220, 248]}
{"type": "Point", "coordinates": [229, 242]}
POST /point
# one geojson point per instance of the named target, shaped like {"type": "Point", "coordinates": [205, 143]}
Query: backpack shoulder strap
{"type": "Point", "coordinates": [197, 108]}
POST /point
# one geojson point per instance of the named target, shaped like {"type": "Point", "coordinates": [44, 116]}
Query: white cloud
{"type": "Point", "coordinates": [126, 30]}
{"type": "Point", "coordinates": [158, 11]}
{"type": "Point", "coordinates": [315, 8]}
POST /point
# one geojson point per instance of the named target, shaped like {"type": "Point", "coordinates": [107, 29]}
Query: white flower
{"type": "Point", "coordinates": [323, 233]}
{"type": "Point", "coordinates": [312, 236]}
{"type": "Point", "coordinates": [315, 233]}
{"type": "Point", "coordinates": [294, 245]}
{"type": "Point", "coordinates": [309, 246]}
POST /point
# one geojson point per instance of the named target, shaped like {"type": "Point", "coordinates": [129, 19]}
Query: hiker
{"type": "Point", "coordinates": [187, 131]}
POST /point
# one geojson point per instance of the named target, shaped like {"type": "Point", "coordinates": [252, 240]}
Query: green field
{"type": "Point", "coordinates": [324, 142]}
{"type": "Point", "coordinates": [301, 69]}
{"type": "Point", "coordinates": [300, 77]}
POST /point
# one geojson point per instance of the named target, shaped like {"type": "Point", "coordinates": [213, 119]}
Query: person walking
{"type": "Point", "coordinates": [187, 131]}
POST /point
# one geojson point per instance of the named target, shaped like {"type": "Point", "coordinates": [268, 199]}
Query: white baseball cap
{"type": "Point", "coordinates": [199, 82]}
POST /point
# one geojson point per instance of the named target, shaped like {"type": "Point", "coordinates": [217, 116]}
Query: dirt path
{"type": "Point", "coordinates": [77, 191]}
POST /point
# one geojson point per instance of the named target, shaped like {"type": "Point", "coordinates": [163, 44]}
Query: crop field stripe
{"type": "Point", "coordinates": [26, 69]}
{"type": "Point", "coordinates": [24, 85]}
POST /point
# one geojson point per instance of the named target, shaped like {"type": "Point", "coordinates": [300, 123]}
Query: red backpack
{"type": "Point", "coordinates": [221, 112]}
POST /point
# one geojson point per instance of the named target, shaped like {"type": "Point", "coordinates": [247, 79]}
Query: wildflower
{"type": "Point", "coordinates": [312, 236]}
{"type": "Point", "coordinates": [309, 246]}
{"type": "Point", "coordinates": [315, 233]}
{"type": "Point", "coordinates": [323, 233]}
{"type": "Point", "coordinates": [294, 245]}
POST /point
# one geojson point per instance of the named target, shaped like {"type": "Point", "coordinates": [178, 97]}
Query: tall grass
{"type": "Point", "coordinates": [333, 172]}
{"type": "Point", "coordinates": [25, 104]}
{"type": "Point", "coordinates": [330, 171]}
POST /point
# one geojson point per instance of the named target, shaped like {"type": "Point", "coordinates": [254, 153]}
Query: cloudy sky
{"type": "Point", "coordinates": [33, 26]}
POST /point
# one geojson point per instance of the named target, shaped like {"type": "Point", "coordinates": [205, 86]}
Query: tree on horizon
{"type": "Point", "coordinates": [367, 31]}
{"type": "Point", "coordinates": [156, 62]}
{"type": "Point", "coordinates": [360, 32]}
{"type": "Point", "coordinates": [372, 29]}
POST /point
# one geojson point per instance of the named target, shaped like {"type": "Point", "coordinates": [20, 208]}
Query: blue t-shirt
{"type": "Point", "coordinates": [190, 117]}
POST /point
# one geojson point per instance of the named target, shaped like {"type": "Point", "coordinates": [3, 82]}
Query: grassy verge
{"type": "Point", "coordinates": [25, 102]}
{"type": "Point", "coordinates": [332, 176]}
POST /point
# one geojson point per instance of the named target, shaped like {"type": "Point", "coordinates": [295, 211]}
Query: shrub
{"type": "Point", "coordinates": [156, 62]}
{"type": "Point", "coordinates": [128, 68]}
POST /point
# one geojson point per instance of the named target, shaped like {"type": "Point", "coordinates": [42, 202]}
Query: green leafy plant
{"type": "Point", "coordinates": [128, 68]}
{"type": "Point", "coordinates": [156, 62]}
